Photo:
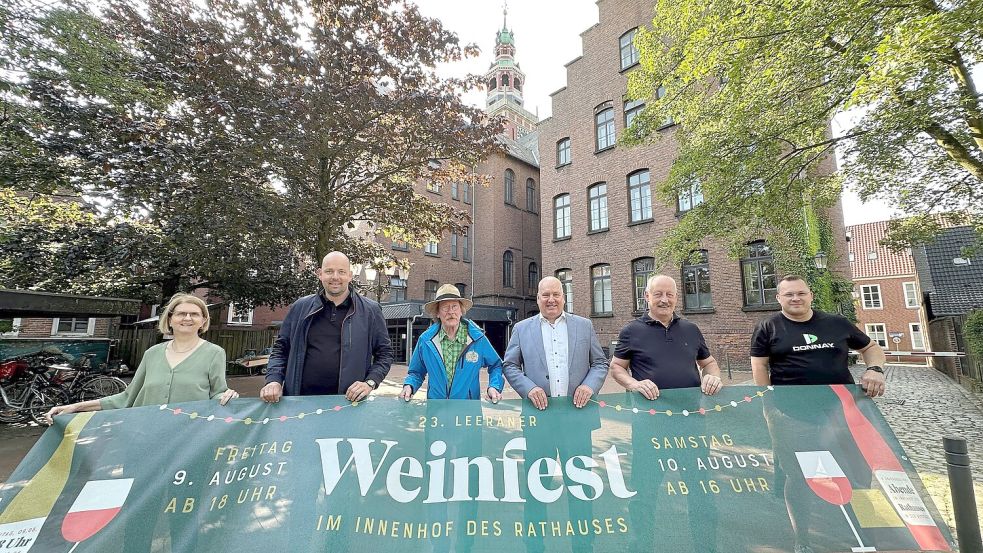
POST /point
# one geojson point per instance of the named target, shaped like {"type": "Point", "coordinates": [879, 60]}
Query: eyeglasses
{"type": "Point", "coordinates": [186, 315]}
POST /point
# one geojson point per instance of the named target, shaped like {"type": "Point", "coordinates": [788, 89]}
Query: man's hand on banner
{"type": "Point", "coordinates": [582, 395]}
{"type": "Point", "coordinates": [538, 398]}
{"type": "Point", "coordinates": [227, 395]}
{"type": "Point", "coordinates": [407, 393]}
{"type": "Point", "coordinates": [711, 384]}
{"type": "Point", "coordinates": [647, 388]}
{"type": "Point", "coordinates": [493, 394]}
{"type": "Point", "coordinates": [271, 392]}
{"type": "Point", "coordinates": [358, 391]}
{"type": "Point", "coordinates": [873, 383]}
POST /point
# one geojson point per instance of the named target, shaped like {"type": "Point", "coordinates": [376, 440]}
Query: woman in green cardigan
{"type": "Point", "coordinates": [186, 368]}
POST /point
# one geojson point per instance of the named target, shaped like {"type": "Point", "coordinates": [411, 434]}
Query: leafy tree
{"type": "Point", "coordinates": [249, 133]}
{"type": "Point", "coordinates": [753, 87]}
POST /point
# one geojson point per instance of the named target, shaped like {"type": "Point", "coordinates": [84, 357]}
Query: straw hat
{"type": "Point", "coordinates": [445, 293]}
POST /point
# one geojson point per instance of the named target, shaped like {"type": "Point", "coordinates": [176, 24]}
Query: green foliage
{"type": "Point", "coordinates": [224, 146]}
{"type": "Point", "coordinates": [754, 86]}
{"type": "Point", "coordinates": [973, 333]}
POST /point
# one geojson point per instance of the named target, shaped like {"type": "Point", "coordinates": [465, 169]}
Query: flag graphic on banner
{"type": "Point", "coordinates": [96, 505]}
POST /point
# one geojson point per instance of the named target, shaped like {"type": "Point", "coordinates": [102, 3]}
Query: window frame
{"type": "Point", "coordinates": [429, 289]}
{"type": "Point", "coordinates": [864, 293]}
{"type": "Point", "coordinates": [433, 187]}
{"type": "Point", "coordinates": [601, 209]}
{"type": "Point", "coordinates": [594, 280]}
{"type": "Point", "coordinates": [467, 193]}
{"type": "Point", "coordinates": [632, 108]}
{"type": "Point", "coordinates": [466, 249]}
{"type": "Point", "coordinates": [870, 333]}
{"type": "Point", "coordinates": [756, 261]}
{"type": "Point", "coordinates": [532, 275]}
{"type": "Point", "coordinates": [232, 315]}
{"type": "Point", "coordinates": [90, 326]}
{"type": "Point", "coordinates": [644, 194]}
{"type": "Point", "coordinates": [695, 189]}
{"type": "Point", "coordinates": [453, 245]}
{"type": "Point", "coordinates": [566, 219]}
{"type": "Point", "coordinates": [565, 276]}
{"type": "Point", "coordinates": [454, 190]}
{"type": "Point", "coordinates": [609, 135]}
{"type": "Point", "coordinates": [639, 304]}
{"type": "Point", "coordinates": [531, 206]}
{"type": "Point", "coordinates": [397, 289]}
{"type": "Point", "coordinates": [921, 336]}
{"type": "Point", "coordinates": [508, 269]}
{"type": "Point", "coordinates": [564, 146]}
{"type": "Point", "coordinates": [912, 302]}
{"type": "Point", "coordinates": [628, 46]}
{"type": "Point", "coordinates": [509, 180]}
{"type": "Point", "coordinates": [432, 245]}
{"type": "Point", "coordinates": [703, 263]}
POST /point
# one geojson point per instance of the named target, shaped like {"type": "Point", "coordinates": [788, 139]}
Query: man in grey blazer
{"type": "Point", "coordinates": [554, 354]}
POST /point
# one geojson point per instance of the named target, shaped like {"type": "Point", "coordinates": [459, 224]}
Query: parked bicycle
{"type": "Point", "coordinates": [78, 379]}
{"type": "Point", "coordinates": [25, 391]}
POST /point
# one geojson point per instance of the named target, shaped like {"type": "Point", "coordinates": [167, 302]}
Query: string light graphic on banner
{"type": "Point", "coordinates": [194, 415]}
{"type": "Point", "coordinates": [686, 412]}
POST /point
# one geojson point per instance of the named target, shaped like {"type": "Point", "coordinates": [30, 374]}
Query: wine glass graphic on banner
{"type": "Point", "coordinates": [96, 505]}
{"type": "Point", "coordinates": [826, 479]}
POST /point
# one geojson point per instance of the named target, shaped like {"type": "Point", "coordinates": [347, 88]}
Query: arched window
{"type": "Point", "coordinates": [510, 186]}
{"type": "Point", "coordinates": [642, 270]}
{"type": "Point", "coordinates": [758, 275]}
{"type": "Point", "coordinates": [639, 196]}
{"type": "Point", "coordinates": [533, 276]}
{"type": "Point", "coordinates": [629, 53]}
{"type": "Point", "coordinates": [604, 126]}
{"type": "Point", "coordinates": [600, 279]}
{"type": "Point", "coordinates": [565, 277]}
{"type": "Point", "coordinates": [492, 84]}
{"type": "Point", "coordinates": [563, 152]}
{"type": "Point", "coordinates": [507, 269]}
{"type": "Point", "coordinates": [561, 216]}
{"type": "Point", "coordinates": [505, 80]}
{"type": "Point", "coordinates": [597, 197]}
{"type": "Point", "coordinates": [531, 195]}
{"type": "Point", "coordinates": [696, 282]}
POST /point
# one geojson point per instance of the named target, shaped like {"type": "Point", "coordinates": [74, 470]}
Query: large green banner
{"type": "Point", "coordinates": [807, 468]}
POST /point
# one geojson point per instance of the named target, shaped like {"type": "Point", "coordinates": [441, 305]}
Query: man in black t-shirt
{"type": "Point", "coordinates": [803, 346]}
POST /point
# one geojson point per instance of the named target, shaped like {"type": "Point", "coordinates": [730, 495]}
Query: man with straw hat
{"type": "Point", "coordinates": [452, 353]}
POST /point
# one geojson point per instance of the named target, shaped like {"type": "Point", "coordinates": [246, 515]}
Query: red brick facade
{"type": "Point", "coordinates": [880, 276]}
{"type": "Point", "coordinates": [594, 81]}
{"type": "Point", "coordinates": [44, 328]}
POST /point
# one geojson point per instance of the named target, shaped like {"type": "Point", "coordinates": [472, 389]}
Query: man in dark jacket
{"type": "Point", "coordinates": [334, 342]}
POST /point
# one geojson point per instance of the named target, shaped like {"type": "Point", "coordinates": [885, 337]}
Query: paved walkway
{"type": "Point", "coordinates": [934, 406]}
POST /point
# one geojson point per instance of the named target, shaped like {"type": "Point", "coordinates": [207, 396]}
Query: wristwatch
{"type": "Point", "coordinates": [876, 369]}
{"type": "Point", "coordinates": [372, 383]}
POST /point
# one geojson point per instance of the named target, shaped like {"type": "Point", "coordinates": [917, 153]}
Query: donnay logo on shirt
{"type": "Point", "coordinates": [811, 344]}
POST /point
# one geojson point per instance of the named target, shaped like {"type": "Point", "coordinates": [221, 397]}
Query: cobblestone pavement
{"type": "Point", "coordinates": [934, 406]}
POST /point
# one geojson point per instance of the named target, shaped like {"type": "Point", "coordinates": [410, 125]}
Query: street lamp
{"type": "Point", "coordinates": [820, 260]}
{"type": "Point", "coordinates": [374, 277]}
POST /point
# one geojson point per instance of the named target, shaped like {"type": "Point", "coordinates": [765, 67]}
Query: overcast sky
{"type": "Point", "coordinates": [547, 37]}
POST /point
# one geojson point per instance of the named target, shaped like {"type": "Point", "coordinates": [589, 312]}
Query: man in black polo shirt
{"type": "Point", "coordinates": [803, 346]}
{"type": "Point", "coordinates": [661, 350]}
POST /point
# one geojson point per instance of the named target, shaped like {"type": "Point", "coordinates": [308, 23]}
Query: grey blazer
{"type": "Point", "coordinates": [525, 358]}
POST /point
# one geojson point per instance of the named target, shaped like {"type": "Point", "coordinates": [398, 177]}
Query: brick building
{"type": "Point", "coordinates": [601, 221]}
{"type": "Point", "coordinates": [889, 306]}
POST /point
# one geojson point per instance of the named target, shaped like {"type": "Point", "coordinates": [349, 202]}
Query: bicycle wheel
{"type": "Point", "coordinates": [101, 386]}
{"type": "Point", "coordinates": [42, 402]}
{"type": "Point", "coordinates": [9, 414]}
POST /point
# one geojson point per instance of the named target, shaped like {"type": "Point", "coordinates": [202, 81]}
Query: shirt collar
{"type": "Point", "coordinates": [647, 319]}
{"type": "Point", "coordinates": [562, 317]}
{"type": "Point", "coordinates": [460, 337]}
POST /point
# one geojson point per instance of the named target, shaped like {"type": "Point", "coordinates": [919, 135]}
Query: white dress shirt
{"type": "Point", "coordinates": [555, 344]}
